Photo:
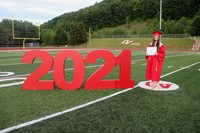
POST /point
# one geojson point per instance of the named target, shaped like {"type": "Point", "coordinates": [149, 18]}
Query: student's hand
{"type": "Point", "coordinates": [156, 53]}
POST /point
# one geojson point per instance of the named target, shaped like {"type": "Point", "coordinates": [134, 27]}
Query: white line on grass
{"type": "Point", "coordinates": [180, 69]}
{"type": "Point", "coordinates": [133, 62]}
{"type": "Point", "coordinates": [114, 51]}
{"type": "Point", "coordinates": [40, 61]}
{"type": "Point", "coordinates": [22, 75]}
{"type": "Point", "coordinates": [82, 105]}
{"type": "Point", "coordinates": [169, 66]}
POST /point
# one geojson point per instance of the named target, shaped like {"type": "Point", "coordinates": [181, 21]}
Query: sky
{"type": "Point", "coordinates": [40, 11]}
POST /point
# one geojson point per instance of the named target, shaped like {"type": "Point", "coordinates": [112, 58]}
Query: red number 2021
{"type": "Point", "coordinates": [94, 82]}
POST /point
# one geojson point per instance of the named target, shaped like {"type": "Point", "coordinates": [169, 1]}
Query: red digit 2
{"type": "Point", "coordinates": [32, 82]}
{"type": "Point", "coordinates": [95, 81]}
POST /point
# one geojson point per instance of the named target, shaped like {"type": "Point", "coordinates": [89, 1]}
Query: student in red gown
{"type": "Point", "coordinates": [155, 62]}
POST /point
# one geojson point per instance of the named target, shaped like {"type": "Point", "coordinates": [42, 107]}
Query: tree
{"type": "Point", "coordinates": [47, 36]}
{"type": "Point", "coordinates": [196, 26]}
{"type": "Point", "coordinates": [119, 31]}
{"type": "Point", "coordinates": [61, 33]}
{"type": "Point", "coordinates": [110, 13]}
{"type": "Point", "coordinates": [181, 25]}
{"type": "Point", "coordinates": [169, 27]}
{"type": "Point", "coordinates": [175, 9]}
{"type": "Point", "coordinates": [77, 34]}
{"type": "Point", "coordinates": [7, 37]}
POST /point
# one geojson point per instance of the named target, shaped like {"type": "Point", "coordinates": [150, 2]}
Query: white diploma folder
{"type": "Point", "coordinates": [151, 50]}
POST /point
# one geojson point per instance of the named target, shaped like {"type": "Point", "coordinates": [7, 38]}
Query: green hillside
{"type": "Point", "coordinates": [141, 43]}
{"type": "Point", "coordinates": [110, 17]}
{"type": "Point", "coordinates": [124, 17]}
{"type": "Point", "coordinates": [130, 28]}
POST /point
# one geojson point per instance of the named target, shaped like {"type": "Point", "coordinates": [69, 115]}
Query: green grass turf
{"type": "Point", "coordinates": [137, 111]}
{"type": "Point", "coordinates": [133, 111]}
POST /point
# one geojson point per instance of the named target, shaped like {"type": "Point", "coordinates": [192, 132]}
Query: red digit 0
{"type": "Point", "coordinates": [32, 82]}
{"type": "Point", "coordinates": [95, 81]}
{"type": "Point", "coordinates": [59, 73]}
{"type": "Point", "coordinates": [124, 61]}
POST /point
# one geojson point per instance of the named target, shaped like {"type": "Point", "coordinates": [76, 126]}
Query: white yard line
{"type": "Point", "coordinates": [82, 105]}
{"type": "Point", "coordinates": [133, 62]}
{"type": "Point", "coordinates": [180, 69]}
{"type": "Point", "coordinates": [11, 59]}
{"type": "Point", "coordinates": [136, 60]}
{"type": "Point", "coordinates": [22, 75]}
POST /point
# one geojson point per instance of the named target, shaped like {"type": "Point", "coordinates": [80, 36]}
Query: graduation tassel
{"type": "Point", "coordinates": [156, 65]}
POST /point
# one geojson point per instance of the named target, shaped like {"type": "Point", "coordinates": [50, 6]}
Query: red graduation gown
{"type": "Point", "coordinates": [154, 65]}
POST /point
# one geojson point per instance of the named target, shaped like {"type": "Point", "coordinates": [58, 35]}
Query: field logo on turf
{"type": "Point", "coordinates": [129, 42]}
{"type": "Point", "coordinates": [163, 86]}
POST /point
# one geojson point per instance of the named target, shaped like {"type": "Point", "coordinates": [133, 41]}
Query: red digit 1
{"type": "Point", "coordinates": [124, 60]}
{"type": "Point", "coordinates": [95, 81]}
{"type": "Point", "coordinates": [59, 73]}
{"type": "Point", "coordinates": [32, 82]}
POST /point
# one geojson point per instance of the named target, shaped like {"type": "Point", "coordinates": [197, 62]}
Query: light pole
{"type": "Point", "coordinates": [89, 37]}
{"type": "Point", "coordinates": [161, 19]}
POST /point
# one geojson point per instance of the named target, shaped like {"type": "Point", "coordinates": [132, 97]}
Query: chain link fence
{"type": "Point", "coordinates": [143, 36]}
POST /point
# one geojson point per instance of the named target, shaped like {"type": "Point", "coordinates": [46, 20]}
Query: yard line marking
{"type": "Point", "coordinates": [139, 59]}
{"type": "Point", "coordinates": [63, 112]}
{"type": "Point", "coordinates": [169, 66]}
{"type": "Point", "coordinates": [11, 58]}
{"type": "Point", "coordinates": [11, 84]}
{"type": "Point", "coordinates": [84, 52]}
{"type": "Point", "coordinates": [2, 74]}
{"type": "Point", "coordinates": [22, 75]}
{"type": "Point", "coordinates": [180, 69]}
{"type": "Point", "coordinates": [82, 105]}
{"type": "Point", "coordinates": [133, 62]}
{"type": "Point", "coordinates": [16, 64]}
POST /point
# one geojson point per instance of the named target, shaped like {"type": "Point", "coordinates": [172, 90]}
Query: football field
{"type": "Point", "coordinates": [117, 110]}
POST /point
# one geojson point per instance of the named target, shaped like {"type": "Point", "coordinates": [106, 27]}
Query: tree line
{"type": "Point", "coordinates": [22, 29]}
{"type": "Point", "coordinates": [72, 28]}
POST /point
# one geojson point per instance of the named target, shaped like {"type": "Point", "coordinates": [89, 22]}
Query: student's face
{"type": "Point", "coordinates": [156, 37]}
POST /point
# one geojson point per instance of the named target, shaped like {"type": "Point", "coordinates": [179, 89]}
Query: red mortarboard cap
{"type": "Point", "coordinates": [157, 33]}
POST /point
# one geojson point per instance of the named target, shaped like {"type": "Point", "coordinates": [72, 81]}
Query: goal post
{"type": "Point", "coordinates": [24, 38]}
